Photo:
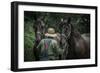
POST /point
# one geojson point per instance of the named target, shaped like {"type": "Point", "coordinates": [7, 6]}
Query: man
{"type": "Point", "coordinates": [48, 47]}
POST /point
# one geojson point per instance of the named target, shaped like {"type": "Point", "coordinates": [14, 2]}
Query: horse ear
{"type": "Point", "coordinates": [61, 19]}
{"type": "Point", "coordinates": [69, 20]}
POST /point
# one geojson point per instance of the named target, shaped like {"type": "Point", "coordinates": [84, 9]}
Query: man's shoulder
{"type": "Point", "coordinates": [43, 40]}
{"type": "Point", "coordinates": [52, 40]}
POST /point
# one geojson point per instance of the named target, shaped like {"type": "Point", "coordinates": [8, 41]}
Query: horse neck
{"type": "Point", "coordinates": [74, 35]}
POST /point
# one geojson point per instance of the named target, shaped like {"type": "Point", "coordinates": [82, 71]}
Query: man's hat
{"type": "Point", "coordinates": [51, 33]}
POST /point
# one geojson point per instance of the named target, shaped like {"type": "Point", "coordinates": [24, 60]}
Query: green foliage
{"type": "Point", "coordinates": [28, 41]}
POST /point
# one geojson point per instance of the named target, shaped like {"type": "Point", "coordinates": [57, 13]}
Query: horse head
{"type": "Point", "coordinates": [64, 35]}
{"type": "Point", "coordinates": [66, 27]}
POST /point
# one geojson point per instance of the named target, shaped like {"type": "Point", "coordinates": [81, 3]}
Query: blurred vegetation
{"type": "Point", "coordinates": [80, 21]}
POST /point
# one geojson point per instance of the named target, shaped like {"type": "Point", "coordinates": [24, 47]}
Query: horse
{"type": "Point", "coordinates": [77, 46]}
{"type": "Point", "coordinates": [39, 29]}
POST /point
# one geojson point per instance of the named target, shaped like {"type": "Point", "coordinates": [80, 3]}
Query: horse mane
{"type": "Point", "coordinates": [74, 32]}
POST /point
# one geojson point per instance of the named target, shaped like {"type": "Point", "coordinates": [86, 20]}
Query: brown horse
{"type": "Point", "coordinates": [39, 29]}
{"type": "Point", "coordinates": [77, 46]}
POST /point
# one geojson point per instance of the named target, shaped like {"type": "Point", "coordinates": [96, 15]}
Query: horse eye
{"type": "Point", "coordinates": [66, 28]}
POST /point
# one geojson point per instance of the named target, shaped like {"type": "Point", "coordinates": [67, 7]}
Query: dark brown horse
{"type": "Point", "coordinates": [77, 46]}
{"type": "Point", "coordinates": [39, 29]}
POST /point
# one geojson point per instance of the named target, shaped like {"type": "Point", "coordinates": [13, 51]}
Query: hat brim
{"type": "Point", "coordinates": [50, 35]}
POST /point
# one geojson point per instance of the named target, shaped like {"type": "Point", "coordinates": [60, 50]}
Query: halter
{"type": "Point", "coordinates": [65, 53]}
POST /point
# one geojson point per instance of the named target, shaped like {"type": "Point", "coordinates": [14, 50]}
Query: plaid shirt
{"type": "Point", "coordinates": [49, 49]}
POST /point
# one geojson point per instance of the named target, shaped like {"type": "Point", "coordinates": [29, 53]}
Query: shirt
{"type": "Point", "coordinates": [49, 49]}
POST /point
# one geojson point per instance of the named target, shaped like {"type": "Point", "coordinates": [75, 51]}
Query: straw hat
{"type": "Point", "coordinates": [51, 33]}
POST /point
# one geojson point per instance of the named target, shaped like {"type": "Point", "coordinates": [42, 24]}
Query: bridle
{"type": "Point", "coordinates": [66, 45]}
